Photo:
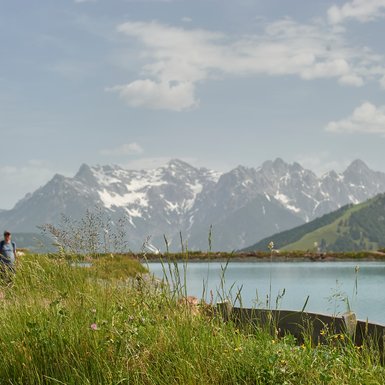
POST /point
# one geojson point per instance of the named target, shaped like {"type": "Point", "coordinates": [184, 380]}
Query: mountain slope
{"type": "Point", "coordinates": [352, 227]}
{"type": "Point", "coordinates": [256, 219]}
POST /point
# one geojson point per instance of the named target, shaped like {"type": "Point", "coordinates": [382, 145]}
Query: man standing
{"type": "Point", "coordinates": [7, 253]}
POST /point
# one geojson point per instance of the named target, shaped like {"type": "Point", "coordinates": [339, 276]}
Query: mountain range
{"type": "Point", "coordinates": [177, 200]}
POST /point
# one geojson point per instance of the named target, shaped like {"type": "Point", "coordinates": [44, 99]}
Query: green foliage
{"type": "Point", "coordinates": [290, 236]}
{"type": "Point", "coordinates": [116, 267]}
{"type": "Point", "coordinates": [355, 232]}
{"type": "Point", "coordinates": [371, 221]}
{"type": "Point", "coordinates": [343, 243]}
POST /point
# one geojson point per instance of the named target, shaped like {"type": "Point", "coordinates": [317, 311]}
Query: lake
{"type": "Point", "coordinates": [331, 286]}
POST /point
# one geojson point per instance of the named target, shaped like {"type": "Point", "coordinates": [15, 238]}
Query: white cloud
{"type": "Point", "coordinates": [351, 80]}
{"type": "Point", "coordinates": [361, 10]}
{"type": "Point", "coordinates": [367, 119]}
{"type": "Point", "coordinates": [157, 95]}
{"type": "Point", "coordinates": [177, 59]}
{"type": "Point", "coordinates": [125, 149]}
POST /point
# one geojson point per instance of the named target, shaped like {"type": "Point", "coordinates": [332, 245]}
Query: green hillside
{"type": "Point", "coordinates": [351, 228]}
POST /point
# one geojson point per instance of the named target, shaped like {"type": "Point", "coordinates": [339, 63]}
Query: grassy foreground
{"type": "Point", "coordinates": [61, 324]}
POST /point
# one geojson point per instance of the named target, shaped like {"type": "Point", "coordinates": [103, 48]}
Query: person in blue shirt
{"type": "Point", "coordinates": [7, 254]}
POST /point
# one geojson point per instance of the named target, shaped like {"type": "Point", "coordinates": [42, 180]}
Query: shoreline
{"type": "Point", "coordinates": [316, 258]}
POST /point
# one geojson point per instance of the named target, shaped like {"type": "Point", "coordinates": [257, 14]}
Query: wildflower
{"type": "Point", "coordinates": [339, 337]}
{"type": "Point", "coordinates": [322, 332]}
{"type": "Point", "coordinates": [94, 326]}
{"type": "Point", "coordinates": [238, 349]}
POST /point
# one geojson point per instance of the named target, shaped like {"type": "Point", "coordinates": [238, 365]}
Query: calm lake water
{"type": "Point", "coordinates": [328, 285]}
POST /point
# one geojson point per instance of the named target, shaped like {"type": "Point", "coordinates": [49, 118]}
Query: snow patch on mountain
{"type": "Point", "coordinates": [281, 197]}
{"type": "Point", "coordinates": [111, 199]}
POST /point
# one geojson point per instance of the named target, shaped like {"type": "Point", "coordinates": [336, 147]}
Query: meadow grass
{"type": "Point", "coordinates": [63, 324]}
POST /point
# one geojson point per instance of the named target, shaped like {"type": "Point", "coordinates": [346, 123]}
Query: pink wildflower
{"type": "Point", "coordinates": [94, 326]}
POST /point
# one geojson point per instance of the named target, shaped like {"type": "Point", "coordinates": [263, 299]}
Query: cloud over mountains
{"type": "Point", "coordinates": [367, 119]}
{"type": "Point", "coordinates": [176, 59]}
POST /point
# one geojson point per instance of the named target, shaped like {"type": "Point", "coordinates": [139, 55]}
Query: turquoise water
{"type": "Point", "coordinates": [331, 286]}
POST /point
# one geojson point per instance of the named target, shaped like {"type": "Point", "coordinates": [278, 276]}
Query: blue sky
{"type": "Point", "coordinates": [216, 83]}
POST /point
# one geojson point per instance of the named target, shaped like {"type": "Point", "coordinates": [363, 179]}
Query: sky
{"type": "Point", "coordinates": [216, 83]}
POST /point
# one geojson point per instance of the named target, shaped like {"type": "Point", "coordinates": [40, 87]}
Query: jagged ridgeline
{"type": "Point", "coordinates": [241, 206]}
{"type": "Point", "coordinates": [350, 228]}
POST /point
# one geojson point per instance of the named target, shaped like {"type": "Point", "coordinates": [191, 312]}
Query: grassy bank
{"type": "Point", "coordinates": [278, 256]}
{"type": "Point", "coordinates": [62, 324]}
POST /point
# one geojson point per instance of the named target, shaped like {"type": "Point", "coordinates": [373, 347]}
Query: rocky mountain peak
{"type": "Point", "coordinates": [57, 179]}
{"type": "Point", "coordinates": [279, 163]}
{"type": "Point", "coordinates": [85, 174]}
{"type": "Point", "coordinates": [242, 171]}
{"type": "Point", "coordinates": [177, 168]}
{"type": "Point", "coordinates": [238, 176]}
{"type": "Point", "coordinates": [276, 167]}
{"type": "Point", "coordinates": [296, 167]}
{"type": "Point", "coordinates": [330, 174]}
{"type": "Point", "coordinates": [357, 167]}
{"type": "Point", "coordinates": [180, 165]}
